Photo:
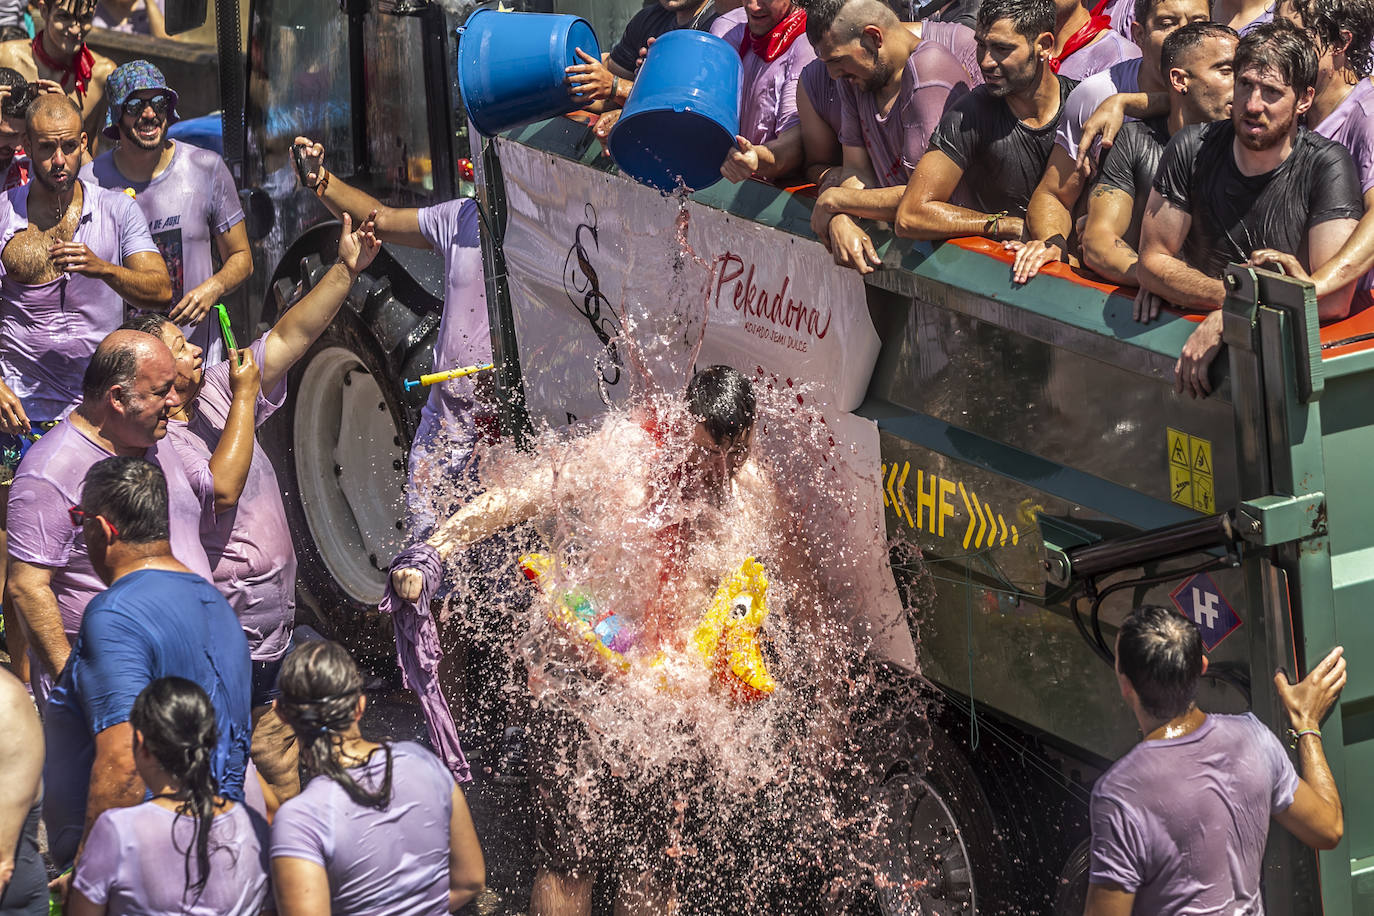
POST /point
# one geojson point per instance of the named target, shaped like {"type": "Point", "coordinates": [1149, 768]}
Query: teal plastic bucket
{"type": "Point", "coordinates": [682, 116]}
{"type": "Point", "coordinates": [510, 66]}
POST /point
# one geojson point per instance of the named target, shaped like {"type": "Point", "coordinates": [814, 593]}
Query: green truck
{"type": "Point", "coordinates": [1029, 444]}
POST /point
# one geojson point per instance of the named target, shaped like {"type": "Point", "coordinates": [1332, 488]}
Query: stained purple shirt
{"type": "Point", "coordinates": [1110, 49]}
{"type": "Point", "coordinates": [960, 41]}
{"type": "Point", "coordinates": [1182, 822]}
{"type": "Point", "coordinates": [191, 202]}
{"type": "Point", "coordinates": [464, 331]}
{"type": "Point", "coordinates": [932, 80]}
{"type": "Point", "coordinates": [49, 480]}
{"type": "Point", "coordinates": [379, 862]}
{"type": "Point", "coordinates": [133, 862]}
{"type": "Point", "coordinates": [823, 93]}
{"type": "Point", "coordinates": [768, 91]}
{"type": "Point", "coordinates": [49, 332]}
{"type": "Point", "coordinates": [249, 546]}
{"type": "Point", "coordinates": [1122, 13]}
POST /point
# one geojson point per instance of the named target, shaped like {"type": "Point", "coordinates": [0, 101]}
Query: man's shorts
{"type": "Point", "coordinates": [585, 818]}
{"type": "Point", "coordinates": [13, 449]}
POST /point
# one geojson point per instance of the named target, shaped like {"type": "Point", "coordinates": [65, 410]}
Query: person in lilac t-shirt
{"type": "Point", "coordinates": [381, 828]}
{"type": "Point", "coordinates": [894, 88]}
{"type": "Point", "coordinates": [1179, 823]}
{"type": "Point", "coordinates": [771, 38]}
{"type": "Point", "coordinates": [186, 194]}
{"type": "Point", "coordinates": [128, 396]}
{"type": "Point", "coordinates": [246, 535]}
{"type": "Point", "coordinates": [130, 861]}
{"type": "Point", "coordinates": [1081, 52]}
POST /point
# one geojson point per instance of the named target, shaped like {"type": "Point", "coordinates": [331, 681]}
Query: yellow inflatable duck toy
{"type": "Point", "coordinates": [725, 640]}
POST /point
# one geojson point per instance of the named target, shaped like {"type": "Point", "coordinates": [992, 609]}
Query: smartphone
{"type": "Point", "coordinates": [227, 332]}
{"type": "Point", "coordinates": [298, 158]}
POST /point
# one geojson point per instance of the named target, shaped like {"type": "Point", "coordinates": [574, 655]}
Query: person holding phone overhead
{"type": "Point", "coordinates": [244, 527]}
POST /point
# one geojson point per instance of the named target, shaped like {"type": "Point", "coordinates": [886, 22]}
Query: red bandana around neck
{"type": "Point", "coordinates": [775, 43]}
{"type": "Point", "coordinates": [80, 69]}
{"type": "Point", "coordinates": [1095, 26]}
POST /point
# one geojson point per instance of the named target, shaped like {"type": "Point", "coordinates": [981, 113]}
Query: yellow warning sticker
{"type": "Point", "coordinates": [1190, 470]}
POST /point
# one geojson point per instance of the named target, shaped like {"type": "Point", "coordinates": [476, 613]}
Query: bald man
{"type": "Point", "coordinates": [128, 392]}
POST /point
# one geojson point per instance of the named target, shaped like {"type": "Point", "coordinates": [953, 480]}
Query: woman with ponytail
{"type": "Point", "coordinates": [127, 865]}
{"type": "Point", "coordinates": [380, 829]}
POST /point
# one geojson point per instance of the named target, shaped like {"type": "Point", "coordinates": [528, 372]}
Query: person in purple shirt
{"type": "Point", "coordinates": [127, 865]}
{"type": "Point", "coordinates": [773, 49]}
{"type": "Point", "coordinates": [1085, 43]}
{"type": "Point", "coordinates": [1342, 110]}
{"type": "Point", "coordinates": [894, 88]}
{"type": "Point", "coordinates": [246, 535]}
{"type": "Point", "coordinates": [128, 395]}
{"type": "Point", "coordinates": [380, 829]}
{"type": "Point", "coordinates": [186, 194]}
{"type": "Point", "coordinates": [1180, 822]}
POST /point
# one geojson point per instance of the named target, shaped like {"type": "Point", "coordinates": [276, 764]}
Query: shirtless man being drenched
{"type": "Point", "coordinates": [59, 53]}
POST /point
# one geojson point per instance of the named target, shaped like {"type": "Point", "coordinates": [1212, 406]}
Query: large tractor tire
{"type": "Point", "coordinates": [341, 442]}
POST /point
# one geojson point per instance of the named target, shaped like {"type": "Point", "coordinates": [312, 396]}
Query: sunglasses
{"type": "Point", "coordinates": [133, 106]}
{"type": "Point", "coordinates": [79, 517]}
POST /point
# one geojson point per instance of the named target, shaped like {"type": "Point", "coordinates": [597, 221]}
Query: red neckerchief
{"type": "Point", "coordinates": [778, 39]}
{"type": "Point", "coordinates": [80, 69]}
{"type": "Point", "coordinates": [1095, 26]}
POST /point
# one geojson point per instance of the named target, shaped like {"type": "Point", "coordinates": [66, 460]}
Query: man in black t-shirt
{"type": "Point", "coordinates": [1197, 62]}
{"type": "Point", "coordinates": [999, 135]}
{"type": "Point", "coordinates": [1227, 189]}
{"type": "Point", "coordinates": [605, 84]}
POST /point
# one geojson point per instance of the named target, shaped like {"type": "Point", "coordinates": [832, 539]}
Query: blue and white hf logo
{"type": "Point", "coordinates": [1202, 602]}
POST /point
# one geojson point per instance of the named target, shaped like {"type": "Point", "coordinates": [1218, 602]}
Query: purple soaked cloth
{"type": "Point", "coordinates": [419, 655]}
{"type": "Point", "coordinates": [249, 547]}
{"type": "Point", "coordinates": [186, 207]}
{"type": "Point", "coordinates": [960, 41]}
{"type": "Point", "coordinates": [50, 331]}
{"type": "Point", "coordinates": [823, 93]}
{"type": "Point", "coordinates": [133, 862]}
{"type": "Point", "coordinates": [49, 480]}
{"type": "Point", "coordinates": [380, 863]}
{"type": "Point", "coordinates": [1182, 822]}
{"type": "Point", "coordinates": [1352, 126]}
{"type": "Point", "coordinates": [932, 80]}
{"type": "Point", "coordinates": [768, 91]}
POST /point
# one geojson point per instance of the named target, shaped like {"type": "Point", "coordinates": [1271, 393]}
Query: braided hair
{"type": "Point", "coordinates": [177, 723]}
{"type": "Point", "coordinates": [320, 689]}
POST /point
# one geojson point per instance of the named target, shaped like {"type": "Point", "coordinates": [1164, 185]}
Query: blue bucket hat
{"type": "Point", "coordinates": [124, 81]}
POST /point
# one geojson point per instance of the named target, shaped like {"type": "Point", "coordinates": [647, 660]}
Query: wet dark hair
{"type": "Point", "coordinates": [78, 8]}
{"type": "Point", "coordinates": [113, 363]}
{"type": "Point", "coordinates": [21, 93]}
{"type": "Point", "coordinates": [177, 722]}
{"type": "Point", "coordinates": [1160, 652]}
{"type": "Point", "coordinates": [1183, 40]}
{"type": "Point", "coordinates": [1325, 20]}
{"type": "Point", "coordinates": [132, 495]}
{"type": "Point", "coordinates": [1030, 18]}
{"type": "Point", "coordinates": [722, 398]}
{"type": "Point", "coordinates": [1284, 47]}
{"type": "Point", "coordinates": [821, 16]}
{"type": "Point", "coordinates": [320, 688]}
{"type": "Point", "coordinates": [147, 322]}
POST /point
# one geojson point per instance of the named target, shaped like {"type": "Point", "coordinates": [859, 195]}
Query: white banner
{"type": "Point", "coordinates": [588, 254]}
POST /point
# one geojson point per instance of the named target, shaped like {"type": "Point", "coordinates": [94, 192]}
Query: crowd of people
{"type": "Point", "coordinates": [161, 710]}
{"type": "Point", "coordinates": [1083, 132]}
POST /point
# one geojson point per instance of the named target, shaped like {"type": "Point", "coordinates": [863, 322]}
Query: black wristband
{"type": "Point", "coordinates": [1060, 242]}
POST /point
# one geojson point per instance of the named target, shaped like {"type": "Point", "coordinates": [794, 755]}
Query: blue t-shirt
{"type": "Point", "coordinates": [150, 624]}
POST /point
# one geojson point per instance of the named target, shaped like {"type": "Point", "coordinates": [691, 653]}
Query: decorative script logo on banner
{"type": "Point", "coordinates": [771, 315]}
{"type": "Point", "coordinates": [580, 282]}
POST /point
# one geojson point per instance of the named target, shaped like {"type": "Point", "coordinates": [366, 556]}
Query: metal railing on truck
{"type": "Point", "coordinates": [1019, 424]}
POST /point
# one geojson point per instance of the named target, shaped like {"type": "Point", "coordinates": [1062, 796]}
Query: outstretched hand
{"type": "Point", "coordinates": [1309, 700]}
{"type": "Point", "coordinates": [358, 248]}
{"type": "Point", "coordinates": [1286, 263]}
{"type": "Point", "coordinates": [589, 81]}
{"type": "Point", "coordinates": [1099, 132]}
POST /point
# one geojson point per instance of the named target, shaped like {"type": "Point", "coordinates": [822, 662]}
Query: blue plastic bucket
{"type": "Point", "coordinates": [682, 116]}
{"type": "Point", "coordinates": [510, 66]}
